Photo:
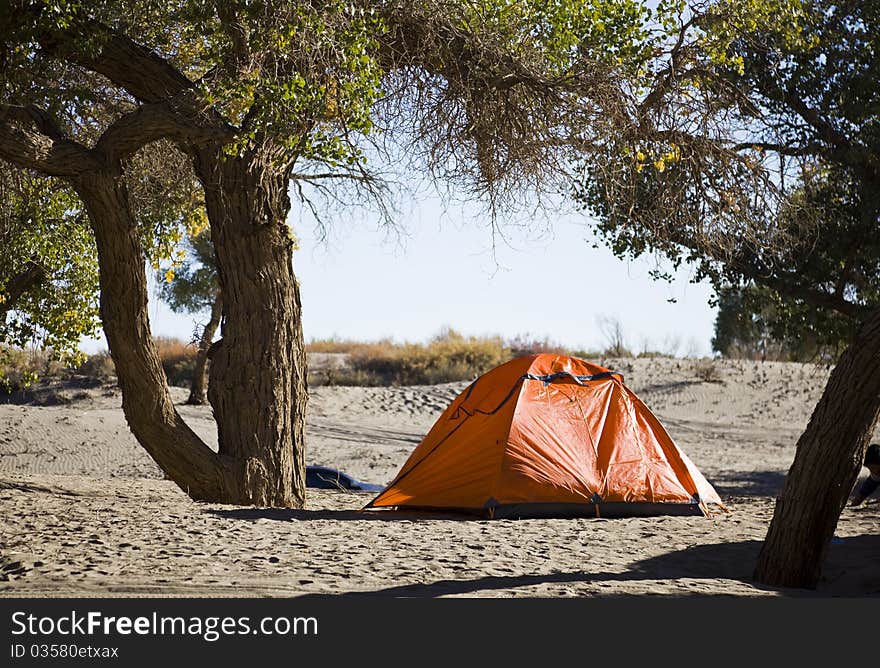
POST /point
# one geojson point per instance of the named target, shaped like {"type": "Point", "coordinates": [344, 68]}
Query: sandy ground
{"type": "Point", "coordinates": [85, 512]}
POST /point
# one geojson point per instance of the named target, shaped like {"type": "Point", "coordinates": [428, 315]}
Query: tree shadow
{"type": "Point", "coordinates": [723, 560]}
{"type": "Point", "coordinates": [20, 486]}
{"type": "Point", "coordinates": [749, 483]}
{"type": "Point", "coordinates": [726, 561]}
{"type": "Point", "coordinates": [291, 515]}
{"type": "Point", "coordinates": [669, 387]}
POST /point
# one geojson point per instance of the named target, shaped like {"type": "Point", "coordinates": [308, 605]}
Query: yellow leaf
{"type": "Point", "coordinates": [660, 164]}
{"type": "Point", "coordinates": [169, 275]}
{"type": "Point", "coordinates": [196, 222]}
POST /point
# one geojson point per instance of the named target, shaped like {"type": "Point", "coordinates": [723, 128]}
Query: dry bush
{"type": "Point", "coordinates": [654, 354]}
{"type": "Point", "coordinates": [706, 370]}
{"type": "Point", "coordinates": [18, 368]}
{"type": "Point", "coordinates": [99, 366]}
{"type": "Point", "coordinates": [527, 344]}
{"type": "Point", "coordinates": [333, 345]}
{"type": "Point", "coordinates": [588, 355]}
{"type": "Point", "coordinates": [615, 340]}
{"type": "Point", "coordinates": [21, 368]}
{"type": "Point", "coordinates": [178, 360]}
{"type": "Point", "coordinates": [446, 358]}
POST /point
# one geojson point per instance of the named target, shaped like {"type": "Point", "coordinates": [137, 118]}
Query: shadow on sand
{"type": "Point", "coordinates": [730, 561]}
{"type": "Point", "coordinates": [848, 569]}
{"type": "Point", "coordinates": [749, 483]}
{"type": "Point", "coordinates": [290, 515]}
{"type": "Point", "coordinates": [724, 561]}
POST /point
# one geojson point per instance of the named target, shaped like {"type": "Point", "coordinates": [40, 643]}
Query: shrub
{"type": "Point", "coordinates": [706, 370]}
{"type": "Point", "coordinates": [654, 354]}
{"type": "Point", "coordinates": [178, 360]}
{"type": "Point", "coordinates": [526, 344]}
{"type": "Point", "coordinates": [18, 369]}
{"type": "Point", "coordinates": [98, 366]}
{"type": "Point", "coordinates": [448, 357]}
{"type": "Point", "coordinates": [333, 345]}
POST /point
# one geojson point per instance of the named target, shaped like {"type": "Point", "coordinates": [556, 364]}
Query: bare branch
{"type": "Point", "coordinates": [669, 76]}
{"type": "Point", "coordinates": [782, 149]}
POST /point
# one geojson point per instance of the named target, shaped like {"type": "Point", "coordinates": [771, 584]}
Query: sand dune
{"type": "Point", "coordinates": [87, 513]}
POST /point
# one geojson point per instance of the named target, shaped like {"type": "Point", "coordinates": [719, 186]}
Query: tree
{"type": "Point", "coordinates": [192, 287]}
{"type": "Point", "coordinates": [752, 152]}
{"type": "Point", "coordinates": [48, 272]}
{"type": "Point", "coordinates": [754, 322]}
{"type": "Point", "coordinates": [752, 314]}
{"type": "Point", "coordinates": [256, 94]}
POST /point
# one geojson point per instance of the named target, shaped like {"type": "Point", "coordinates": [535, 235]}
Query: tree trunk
{"type": "Point", "coordinates": [197, 392]}
{"type": "Point", "coordinates": [257, 385]}
{"type": "Point", "coordinates": [827, 461]}
{"type": "Point", "coordinates": [146, 401]}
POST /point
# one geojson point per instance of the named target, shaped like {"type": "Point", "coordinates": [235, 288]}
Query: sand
{"type": "Point", "coordinates": [85, 511]}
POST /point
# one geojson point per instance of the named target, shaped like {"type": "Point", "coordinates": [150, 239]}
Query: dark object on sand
{"type": "Point", "coordinates": [323, 477]}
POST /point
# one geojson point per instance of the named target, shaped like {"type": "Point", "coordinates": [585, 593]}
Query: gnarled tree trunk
{"type": "Point", "coordinates": [146, 400]}
{"type": "Point", "coordinates": [826, 464]}
{"type": "Point", "coordinates": [198, 390]}
{"type": "Point", "coordinates": [257, 385]}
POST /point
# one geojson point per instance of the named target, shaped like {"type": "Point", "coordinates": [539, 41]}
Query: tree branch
{"type": "Point", "coordinates": [809, 149]}
{"type": "Point", "coordinates": [29, 138]}
{"type": "Point", "coordinates": [24, 281]}
{"type": "Point", "coordinates": [456, 55]}
{"type": "Point", "coordinates": [828, 132]}
{"type": "Point", "coordinates": [787, 287]}
{"type": "Point", "coordinates": [669, 74]}
{"type": "Point", "coordinates": [843, 148]}
{"type": "Point", "coordinates": [152, 122]}
{"type": "Point", "coordinates": [170, 106]}
{"type": "Point", "coordinates": [143, 73]}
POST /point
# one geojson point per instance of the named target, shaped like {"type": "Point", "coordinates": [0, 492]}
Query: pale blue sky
{"type": "Point", "coordinates": [360, 284]}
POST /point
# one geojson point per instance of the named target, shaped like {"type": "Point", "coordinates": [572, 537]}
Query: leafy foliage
{"type": "Point", "coordinates": [192, 286]}
{"type": "Point", "coordinates": [749, 150]}
{"type": "Point", "coordinates": [755, 323]}
{"type": "Point", "coordinates": [43, 225]}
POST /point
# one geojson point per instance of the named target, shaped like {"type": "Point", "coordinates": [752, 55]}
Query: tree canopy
{"type": "Point", "coordinates": [749, 153]}
{"type": "Point", "coordinates": [488, 94]}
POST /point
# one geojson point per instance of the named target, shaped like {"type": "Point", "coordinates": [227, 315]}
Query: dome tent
{"type": "Point", "coordinates": [549, 436]}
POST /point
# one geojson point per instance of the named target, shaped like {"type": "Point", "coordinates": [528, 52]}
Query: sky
{"type": "Point", "coordinates": [361, 283]}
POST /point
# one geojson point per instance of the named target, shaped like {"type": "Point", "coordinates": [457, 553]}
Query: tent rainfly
{"type": "Point", "coordinates": [549, 436]}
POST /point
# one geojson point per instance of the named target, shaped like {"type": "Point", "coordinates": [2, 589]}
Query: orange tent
{"type": "Point", "coordinates": [549, 436]}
